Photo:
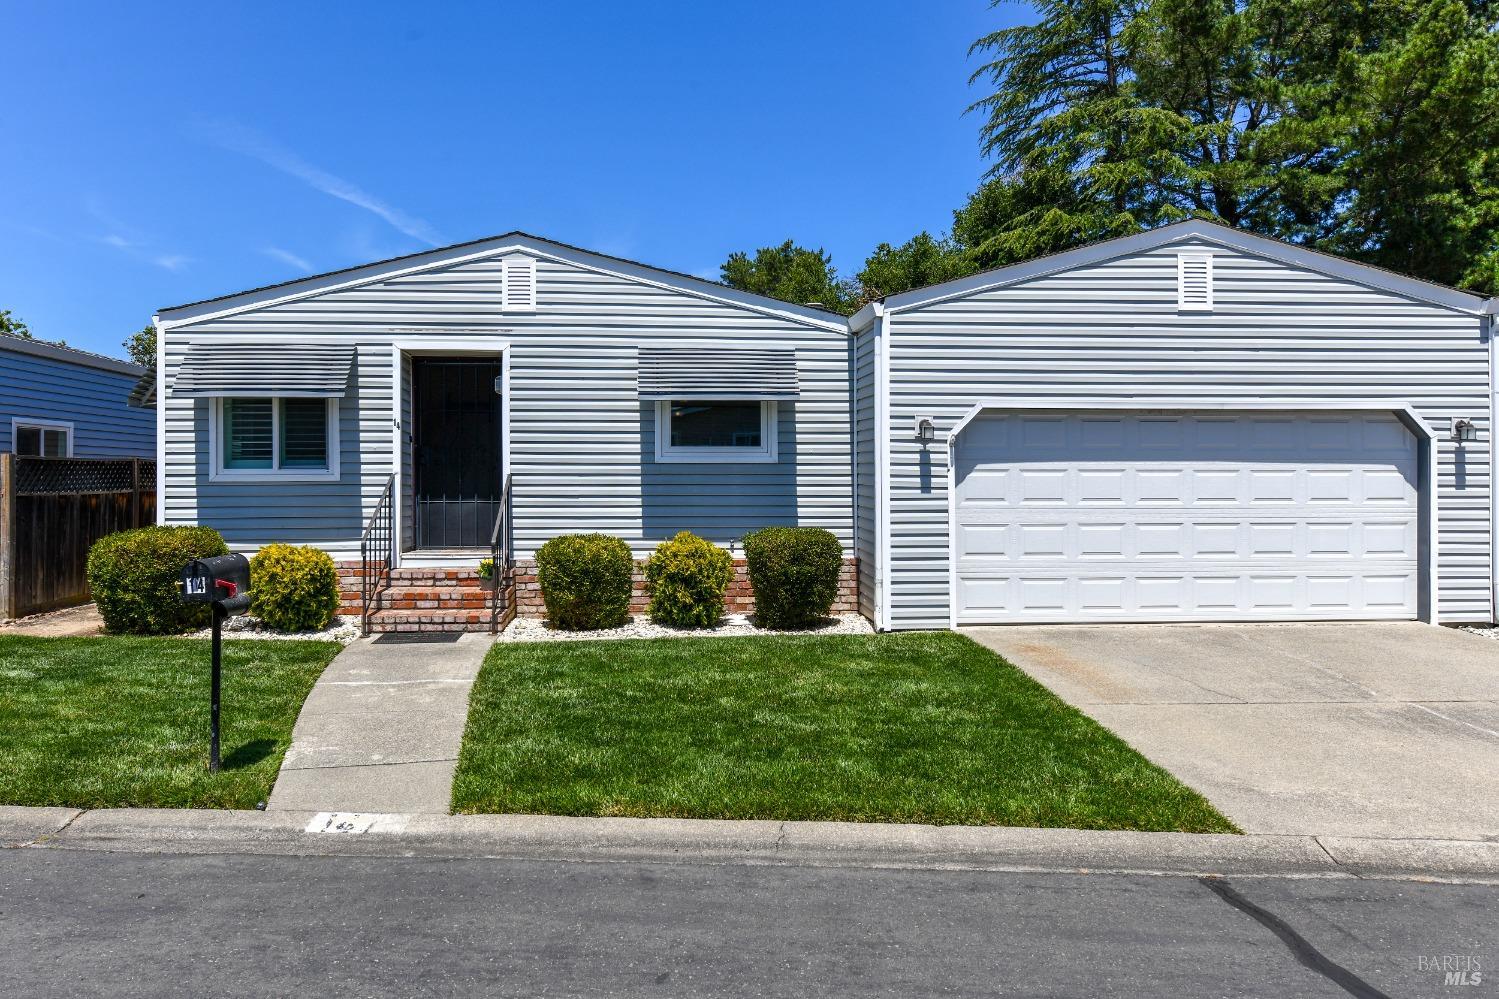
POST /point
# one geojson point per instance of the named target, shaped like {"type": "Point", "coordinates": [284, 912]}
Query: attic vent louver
{"type": "Point", "coordinates": [518, 290]}
{"type": "Point", "coordinates": [1194, 282]}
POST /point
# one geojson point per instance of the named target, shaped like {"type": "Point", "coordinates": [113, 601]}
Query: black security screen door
{"type": "Point", "coordinates": [456, 445]}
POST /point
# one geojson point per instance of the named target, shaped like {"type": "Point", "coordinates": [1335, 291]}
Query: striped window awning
{"type": "Point", "coordinates": [307, 370]}
{"type": "Point", "coordinates": [766, 373]}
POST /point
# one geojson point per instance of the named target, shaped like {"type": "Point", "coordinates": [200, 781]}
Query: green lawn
{"type": "Point", "coordinates": [926, 727]}
{"type": "Point", "coordinates": [102, 722]}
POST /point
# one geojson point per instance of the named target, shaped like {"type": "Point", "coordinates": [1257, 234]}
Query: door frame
{"type": "Point", "coordinates": [437, 346]}
{"type": "Point", "coordinates": [1426, 463]}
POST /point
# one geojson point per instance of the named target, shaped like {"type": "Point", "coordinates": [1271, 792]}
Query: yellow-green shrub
{"type": "Point", "coordinates": [687, 577]}
{"type": "Point", "coordinates": [293, 588]}
{"type": "Point", "coordinates": [135, 578]}
{"type": "Point", "coordinates": [586, 581]}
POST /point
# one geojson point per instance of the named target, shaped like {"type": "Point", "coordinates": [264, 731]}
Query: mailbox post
{"type": "Point", "coordinates": [223, 582]}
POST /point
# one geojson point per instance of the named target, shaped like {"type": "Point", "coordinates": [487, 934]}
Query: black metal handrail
{"type": "Point", "coordinates": [377, 552]}
{"type": "Point", "coordinates": [501, 559]}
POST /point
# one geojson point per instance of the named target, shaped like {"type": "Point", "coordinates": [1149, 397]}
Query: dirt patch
{"type": "Point", "coordinates": [70, 622]}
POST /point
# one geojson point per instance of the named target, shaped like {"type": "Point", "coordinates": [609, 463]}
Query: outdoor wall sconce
{"type": "Point", "coordinates": [1464, 431]}
{"type": "Point", "coordinates": [925, 431]}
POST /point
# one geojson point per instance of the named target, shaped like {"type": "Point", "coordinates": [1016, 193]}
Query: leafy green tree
{"type": "Point", "coordinates": [919, 261]}
{"type": "Point", "coordinates": [1365, 128]}
{"type": "Point", "coordinates": [142, 346]}
{"type": "Point", "coordinates": [11, 325]}
{"type": "Point", "coordinates": [1420, 132]}
{"type": "Point", "coordinates": [791, 273]}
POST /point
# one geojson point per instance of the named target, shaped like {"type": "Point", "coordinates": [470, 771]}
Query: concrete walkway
{"type": "Point", "coordinates": [381, 729]}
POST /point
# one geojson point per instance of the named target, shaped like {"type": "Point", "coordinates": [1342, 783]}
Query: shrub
{"type": "Point", "coordinates": [293, 588]}
{"type": "Point", "coordinates": [687, 577]}
{"type": "Point", "coordinates": [794, 572]}
{"type": "Point", "coordinates": [135, 577]}
{"type": "Point", "coordinates": [586, 581]}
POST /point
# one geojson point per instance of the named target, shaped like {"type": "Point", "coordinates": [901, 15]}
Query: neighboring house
{"type": "Point", "coordinates": [621, 398]}
{"type": "Point", "coordinates": [1190, 424]}
{"type": "Point", "coordinates": [59, 402]}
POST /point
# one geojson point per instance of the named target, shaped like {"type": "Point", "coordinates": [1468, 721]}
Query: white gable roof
{"type": "Point", "coordinates": [383, 270]}
{"type": "Point", "coordinates": [1209, 232]}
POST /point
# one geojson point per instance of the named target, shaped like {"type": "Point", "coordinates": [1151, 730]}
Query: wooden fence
{"type": "Point", "coordinates": [51, 511]}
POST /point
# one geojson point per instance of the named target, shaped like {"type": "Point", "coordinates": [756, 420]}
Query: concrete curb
{"type": "Point", "coordinates": [697, 841]}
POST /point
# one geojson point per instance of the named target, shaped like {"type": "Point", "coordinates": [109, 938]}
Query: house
{"type": "Point", "coordinates": [1189, 424]}
{"type": "Point", "coordinates": [604, 395]}
{"type": "Point", "coordinates": [58, 402]}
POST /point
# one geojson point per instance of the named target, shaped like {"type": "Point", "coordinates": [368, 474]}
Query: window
{"type": "Point", "coordinates": [41, 438]}
{"type": "Point", "coordinates": [281, 438]}
{"type": "Point", "coordinates": [716, 431]}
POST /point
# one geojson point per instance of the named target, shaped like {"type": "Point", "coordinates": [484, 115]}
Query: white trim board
{"type": "Point", "coordinates": [497, 246]}
{"type": "Point", "coordinates": [1208, 232]}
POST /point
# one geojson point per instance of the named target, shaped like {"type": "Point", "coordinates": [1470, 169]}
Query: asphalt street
{"type": "Point", "coordinates": [85, 923]}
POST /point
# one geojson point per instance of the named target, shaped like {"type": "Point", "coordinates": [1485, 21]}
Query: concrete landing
{"type": "Point", "coordinates": [381, 729]}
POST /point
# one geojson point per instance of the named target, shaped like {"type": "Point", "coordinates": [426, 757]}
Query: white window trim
{"type": "Point", "coordinates": [221, 474]}
{"type": "Point", "coordinates": [37, 423]}
{"type": "Point", "coordinates": [765, 454]}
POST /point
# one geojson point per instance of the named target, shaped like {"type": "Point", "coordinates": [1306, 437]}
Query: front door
{"type": "Point", "coordinates": [455, 407]}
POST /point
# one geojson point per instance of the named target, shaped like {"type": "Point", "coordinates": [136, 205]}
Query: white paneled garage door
{"type": "Point", "coordinates": [1169, 517]}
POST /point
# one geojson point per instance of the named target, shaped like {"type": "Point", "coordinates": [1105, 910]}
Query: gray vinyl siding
{"type": "Point", "coordinates": [1112, 329]}
{"type": "Point", "coordinates": [90, 398]}
{"type": "Point", "coordinates": [582, 449]}
{"type": "Point", "coordinates": [866, 465]}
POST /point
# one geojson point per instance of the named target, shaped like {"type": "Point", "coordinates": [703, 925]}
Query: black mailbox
{"type": "Point", "coordinates": [224, 583]}
{"type": "Point", "coordinates": [212, 580]}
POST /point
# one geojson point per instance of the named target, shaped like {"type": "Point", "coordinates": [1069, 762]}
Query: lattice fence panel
{"type": "Point", "coordinates": [79, 476]}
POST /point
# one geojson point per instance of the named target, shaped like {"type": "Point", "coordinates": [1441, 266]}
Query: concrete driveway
{"type": "Point", "coordinates": [1387, 730]}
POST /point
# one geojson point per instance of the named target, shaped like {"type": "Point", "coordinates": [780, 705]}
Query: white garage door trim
{"type": "Point", "coordinates": [1427, 609]}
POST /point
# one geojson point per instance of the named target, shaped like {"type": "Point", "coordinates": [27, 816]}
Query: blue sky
{"type": "Point", "coordinates": [162, 153]}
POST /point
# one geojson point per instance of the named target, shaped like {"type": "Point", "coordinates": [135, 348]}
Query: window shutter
{"type": "Point", "coordinates": [1194, 282]}
{"type": "Point", "coordinates": [518, 292]}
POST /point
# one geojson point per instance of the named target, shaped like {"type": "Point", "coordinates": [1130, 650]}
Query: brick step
{"type": "Point", "coordinates": [428, 620]}
{"type": "Point", "coordinates": [427, 599]}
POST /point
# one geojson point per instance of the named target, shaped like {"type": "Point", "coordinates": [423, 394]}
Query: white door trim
{"type": "Point", "coordinates": [433, 345]}
{"type": "Point", "coordinates": [1427, 601]}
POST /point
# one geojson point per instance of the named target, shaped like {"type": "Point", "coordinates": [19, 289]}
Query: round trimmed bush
{"type": "Point", "coordinates": [586, 581]}
{"type": "Point", "coordinates": [135, 578]}
{"type": "Point", "coordinates": [794, 572]}
{"type": "Point", "coordinates": [293, 588]}
{"type": "Point", "coordinates": [687, 577]}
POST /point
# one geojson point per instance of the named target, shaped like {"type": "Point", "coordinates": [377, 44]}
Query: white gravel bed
{"type": "Point", "coordinates": [1482, 632]}
{"type": "Point", "coordinates": [530, 629]}
{"type": "Point", "coordinates": [343, 630]}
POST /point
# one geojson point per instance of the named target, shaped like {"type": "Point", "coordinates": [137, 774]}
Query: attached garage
{"type": "Point", "coordinates": [1115, 515]}
{"type": "Point", "coordinates": [1191, 424]}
